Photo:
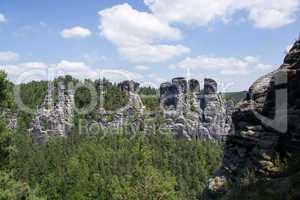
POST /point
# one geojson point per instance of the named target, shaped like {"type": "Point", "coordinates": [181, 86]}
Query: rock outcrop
{"type": "Point", "coordinates": [54, 118]}
{"type": "Point", "coordinates": [11, 118]}
{"type": "Point", "coordinates": [135, 101]}
{"type": "Point", "coordinates": [266, 124]}
{"type": "Point", "coordinates": [190, 114]}
{"type": "Point", "coordinates": [133, 108]}
{"type": "Point", "coordinates": [129, 86]}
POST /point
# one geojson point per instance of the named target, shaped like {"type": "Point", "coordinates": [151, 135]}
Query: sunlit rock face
{"type": "Point", "coordinates": [54, 118]}
{"type": "Point", "coordinates": [266, 124]}
{"type": "Point", "coordinates": [191, 114]}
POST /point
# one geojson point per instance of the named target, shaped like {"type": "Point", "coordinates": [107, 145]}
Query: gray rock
{"type": "Point", "coordinates": [54, 119]}
{"type": "Point", "coordinates": [210, 86]}
{"type": "Point", "coordinates": [253, 144]}
{"type": "Point", "coordinates": [208, 111]}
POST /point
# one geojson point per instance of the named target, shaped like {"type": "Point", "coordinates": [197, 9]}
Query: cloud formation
{"type": "Point", "coordinates": [29, 71]}
{"type": "Point", "coordinates": [76, 32]}
{"type": "Point", "coordinates": [138, 35]}
{"type": "Point", "coordinates": [8, 56]}
{"type": "Point", "coordinates": [2, 18]}
{"type": "Point", "coordinates": [142, 67]}
{"type": "Point", "coordinates": [263, 13]}
{"type": "Point", "coordinates": [223, 65]}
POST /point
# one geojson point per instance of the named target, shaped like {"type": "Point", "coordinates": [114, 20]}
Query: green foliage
{"type": "Point", "coordinates": [235, 96]}
{"type": "Point", "coordinates": [117, 167]}
{"type": "Point", "coordinates": [150, 98]}
{"type": "Point", "coordinates": [5, 91]}
{"type": "Point", "coordinates": [10, 189]}
{"type": "Point", "coordinates": [100, 166]}
{"type": "Point", "coordinates": [13, 190]}
{"type": "Point", "coordinates": [149, 91]}
{"type": "Point", "coordinates": [83, 97]}
{"type": "Point", "coordinates": [150, 102]}
{"type": "Point", "coordinates": [5, 144]}
{"type": "Point", "coordinates": [114, 98]}
{"type": "Point", "coordinates": [32, 94]}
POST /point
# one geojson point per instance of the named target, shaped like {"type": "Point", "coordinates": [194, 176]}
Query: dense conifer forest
{"type": "Point", "coordinates": [107, 165]}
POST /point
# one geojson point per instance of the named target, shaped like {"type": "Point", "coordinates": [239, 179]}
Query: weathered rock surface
{"type": "Point", "coordinates": [129, 86]}
{"type": "Point", "coordinates": [133, 109]}
{"type": "Point", "coordinates": [265, 124]}
{"type": "Point", "coordinates": [11, 118]}
{"type": "Point", "coordinates": [54, 118]}
{"type": "Point", "coordinates": [191, 114]}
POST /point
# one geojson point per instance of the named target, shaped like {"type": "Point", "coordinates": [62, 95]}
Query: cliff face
{"type": "Point", "coordinates": [54, 118]}
{"type": "Point", "coordinates": [266, 124]}
{"type": "Point", "coordinates": [190, 114]}
{"type": "Point", "coordinates": [131, 111]}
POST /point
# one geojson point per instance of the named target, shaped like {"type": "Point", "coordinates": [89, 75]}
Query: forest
{"type": "Point", "coordinates": [106, 165]}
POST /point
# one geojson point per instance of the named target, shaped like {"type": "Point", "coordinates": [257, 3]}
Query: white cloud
{"type": "Point", "coordinates": [118, 75]}
{"type": "Point", "coordinates": [273, 13]}
{"type": "Point", "coordinates": [7, 56]}
{"type": "Point", "coordinates": [147, 53]}
{"type": "Point", "coordinates": [155, 80]}
{"type": "Point", "coordinates": [222, 65]}
{"type": "Point", "coordinates": [264, 13]}
{"type": "Point", "coordinates": [2, 18]}
{"type": "Point", "coordinates": [25, 72]}
{"type": "Point", "coordinates": [138, 34]}
{"type": "Point", "coordinates": [262, 66]}
{"type": "Point", "coordinates": [76, 32]}
{"type": "Point", "coordinates": [77, 69]}
{"type": "Point", "coordinates": [142, 67]}
{"type": "Point", "coordinates": [251, 59]}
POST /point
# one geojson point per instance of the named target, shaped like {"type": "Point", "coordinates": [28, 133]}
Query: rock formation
{"type": "Point", "coordinates": [266, 123]}
{"type": "Point", "coordinates": [133, 108]}
{"type": "Point", "coordinates": [135, 101]}
{"type": "Point", "coordinates": [129, 86]}
{"type": "Point", "coordinates": [11, 118]}
{"type": "Point", "coordinates": [190, 114]}
{"type": "Point", "coordinates": [54, 118]}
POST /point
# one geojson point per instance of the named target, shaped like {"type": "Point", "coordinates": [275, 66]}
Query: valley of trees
{"type": "Point", "coordinates": [98, 166]}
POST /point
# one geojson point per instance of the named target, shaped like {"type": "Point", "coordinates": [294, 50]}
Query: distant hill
{"type": "Point", "coordinates": [235, 96]}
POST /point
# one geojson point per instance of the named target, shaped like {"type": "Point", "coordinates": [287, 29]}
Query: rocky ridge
{"type": "Point", "coordinates": [190, 114]}
{"type": "Point", "coordinates": [121, 116]}
{"type": "Point", "coordinates": [266, 124]}
{"type": "Point", "coordinates": [54, 118]}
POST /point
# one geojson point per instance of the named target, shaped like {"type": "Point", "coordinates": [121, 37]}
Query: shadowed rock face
{"type": "Point", "coordinates": [180, 83]}
{"type": "Point", "coordinates": [192, 115]}
{"type": "Point", "coordinates": [129, 86]}
{"type": "Point", "coordinates": [194, 85]}
{"type": "Point", "coordinates": [267, 123]}
{"type": "Point", "coordinates": [168, 94]}
{"type": "Point", "coordinates": [210, 86]}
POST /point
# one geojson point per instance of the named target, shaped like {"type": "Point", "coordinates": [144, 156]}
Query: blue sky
{"type": "Point", "coordinates": [150, 41]}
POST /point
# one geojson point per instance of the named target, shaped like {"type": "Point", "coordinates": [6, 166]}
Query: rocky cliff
{"type": "Point", "coordinates": [131, 111]}
{"type": "Point", "coordinates": [190, 114]}
{"type": "Point", "coordinates": [266, 124]}
{"type": "Point", "coordinates": [54, 118]}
